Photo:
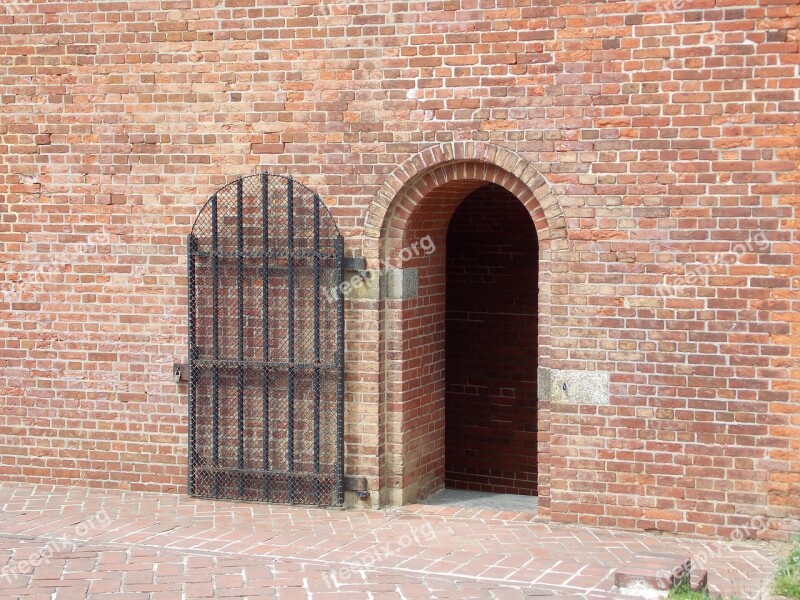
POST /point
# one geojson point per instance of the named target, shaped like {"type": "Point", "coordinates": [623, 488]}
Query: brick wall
{"type": "Point", "coordinates": [491, 335]}
{"type": "Point", "coordinates": [654, 146]}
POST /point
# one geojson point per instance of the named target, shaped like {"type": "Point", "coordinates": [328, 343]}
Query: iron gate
{"type": "Point", "coordinates": [266, 327]}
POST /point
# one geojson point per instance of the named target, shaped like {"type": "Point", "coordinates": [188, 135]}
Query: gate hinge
{"type": "Point", "coordinates": [355, 263]}
{"type": "Point", "coordinates": [357, 485]}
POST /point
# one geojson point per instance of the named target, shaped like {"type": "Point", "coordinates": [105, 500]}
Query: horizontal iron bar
{"type": "Point", "coordinates": [294, 474]}
{"type": "Point", "coordinates": [207, 362]}
{"type": "Point", "coordinates": [296, 254]}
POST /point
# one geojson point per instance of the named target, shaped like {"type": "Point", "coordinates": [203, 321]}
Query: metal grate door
{"type": "Point", "coordinates": [266, 327]}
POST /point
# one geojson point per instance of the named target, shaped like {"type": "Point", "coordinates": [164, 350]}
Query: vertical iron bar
{"type": "Point", "coordinates": [265, 332]}
{"type": "Point", "coordinates": [340, 371]}
{"type": "Point", "coordinates": [324, 490]}
{"type": "Point", "coordinates": [240, 336]}
{"type": "Point", "coordinates": [316, 350]}
{"type": "Point", "coordinates": [215, 347]}
{"type": "Point", "coordinates": [290, 302]}
{"type": "Point", "coordinates": [192, 374]}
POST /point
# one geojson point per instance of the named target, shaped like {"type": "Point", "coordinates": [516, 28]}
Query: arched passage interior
{"type": "Point", "coordinates": [491, 345]}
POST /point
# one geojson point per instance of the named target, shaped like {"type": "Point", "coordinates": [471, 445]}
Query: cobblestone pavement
{"type": "Point", "coordinates": [60, 542]}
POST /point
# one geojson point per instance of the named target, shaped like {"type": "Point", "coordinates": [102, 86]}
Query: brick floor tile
{"type": "Point", "coordinates": [161, 547]}
{"type": "Point", "coordinates": [97, 586]}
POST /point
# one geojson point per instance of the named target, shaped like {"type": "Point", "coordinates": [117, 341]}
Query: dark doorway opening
{"type": "Point", "coordinates": [491, 345]}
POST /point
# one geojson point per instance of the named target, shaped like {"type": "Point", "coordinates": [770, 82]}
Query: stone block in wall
{"type": "Point", "coordinates": [563, 386]}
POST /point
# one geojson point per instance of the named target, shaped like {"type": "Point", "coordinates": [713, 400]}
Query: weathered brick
{"type": "Point", "coordinates": [654, 151]}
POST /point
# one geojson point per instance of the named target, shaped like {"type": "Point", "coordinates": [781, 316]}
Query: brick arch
{"type": "Point", "coordinates": [418, 198]}
{"type": "Point", "coordinates": [438, 165]}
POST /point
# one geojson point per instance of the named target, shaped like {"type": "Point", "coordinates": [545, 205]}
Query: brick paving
{"type": "Point", "coordinates": [88, 543]}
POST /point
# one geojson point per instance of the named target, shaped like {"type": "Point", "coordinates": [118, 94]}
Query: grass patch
{"type": "Point", "coordinates": [787, 577]}
{"type": "Point", "coordinates": [786, 581]}
{"type": "Point", "coordinates": [684, 592]}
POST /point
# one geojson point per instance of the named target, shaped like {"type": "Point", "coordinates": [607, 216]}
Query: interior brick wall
{"type": "Point", "coordinates": [664, 143]}
{"type": "Point", "coordinates": [491, 337]}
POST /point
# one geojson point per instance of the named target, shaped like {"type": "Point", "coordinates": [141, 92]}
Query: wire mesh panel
{"type": "Point", "coordinates": [265, 346]}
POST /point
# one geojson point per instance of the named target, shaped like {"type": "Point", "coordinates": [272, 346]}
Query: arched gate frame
{"type": "Point", "coordinates": [266, 321]}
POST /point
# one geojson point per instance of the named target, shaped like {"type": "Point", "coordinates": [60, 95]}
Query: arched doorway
{"type": "Point", "coordinates": [415, 205]}
{"type": "Point", "coordinates": [491, 345]}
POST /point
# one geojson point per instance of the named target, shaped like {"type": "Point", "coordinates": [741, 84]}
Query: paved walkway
{"type": "Point", "coordinates": [63, 543]}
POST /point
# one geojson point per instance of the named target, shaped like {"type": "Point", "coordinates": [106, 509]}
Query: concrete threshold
{"type": "Point", "coordinates": [483, 501]}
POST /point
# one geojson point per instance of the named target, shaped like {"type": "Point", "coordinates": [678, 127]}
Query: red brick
{"type": "Point", "coordinates": [657, 165]}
